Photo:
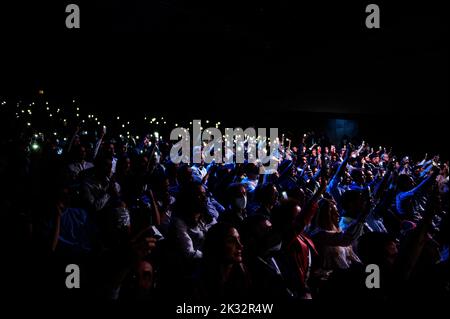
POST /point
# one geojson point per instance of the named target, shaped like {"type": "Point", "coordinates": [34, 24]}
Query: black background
{"type": "Point", "coordinates": [274, 63]}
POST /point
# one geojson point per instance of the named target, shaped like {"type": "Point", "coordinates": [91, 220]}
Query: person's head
{"type": "Point", "coordinates": [357, 176]}
{"type": "Point", "coordinates": [385, 157]}
{"type": "Point", "coordinates": [184, 175]}
{"type": "Point", "coordinates": [286, 217]}
{"type": "Point", "coordinates": [267, 195]}
{"type": "Point", "coordinates": [108, 149]}
{"type": "Point", "coordinates": [124, 164]}
{"type": "Point", "coordinates": [368, 176]}
{"type": "Point", "coordinates": [103, 166]}
{"type": "Point", "coordinates": [375, 158]}
{"type": "Point", "coordinates": [191, 202]}
{"type": "Point", "coordinates": [160, 185]}
{"type": "Point", "coordinates": [327, 216]}
{"type": "Point", "coordinates": [258, 236]}
{"type": "Point", "coordinates": [314, 152]}
{"type": "Point", "coordinates": [352, 202]}
{"type": "Point", "coordinates": [302, 161]}
{"type": "Point", "coordinates": [144, 274]}
{"type": "Point", "coordinates": [298, 194]}
{"type": "Point", "coordinates": [222, 245]}
{"type": "Point", "coordinates": [237, 196]}
{"type": "Point", "coordinates": [405, 183]}
{"type": "Point", "coordinates": [141, 164]}
{"type": "Point", "coordinates": [79, 153]}
{"type": "Point", "coordinates": [378, 248]}
{"type": "Point", "coordinates": [326, 150]}
{"type": "Point", "coordinates": [252, 171]}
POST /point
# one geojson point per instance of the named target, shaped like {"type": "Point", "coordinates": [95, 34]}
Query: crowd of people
{"type": "Point", "coordinates": [141, 227]}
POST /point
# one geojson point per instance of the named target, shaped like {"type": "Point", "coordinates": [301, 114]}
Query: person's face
{"type": "Point", "coordinates": [391, 252]}
{"type": "Point", "coordinates": [369, 176]}
{"type": "Point", "coordinates": [105, 169]}
{"type": "Point", "coordinates": [201, 195]}
{"type": "Point", "coordinates": [326, 150]}
{"type": "Point", "coordinates": [186, 176]}
{"type": "Point", "coordinates": [303, 161]}
{"type": "Point", "coordinates": [273, 195]}
{"type": "Point", "coordinates": [359, 178]}
{"type": "Point", "coordinates": [334, 214]}
{"type": "Point", "coordinates": [127, 164]}
{"type": "Point", "coordinates": [376, 160]}
{"type": "Point", "coordinates": [385, 158]}
{"type": "Point", "coordinates": [145, 275]}
{"type": "Point", "coordinates": [109, 149]}
{"type": "Point", "coordinates": [314, 152]}
{"type": "Point", "coordinates": [82, 153]}
{"type": "Point", "coordinates": [233, 247]}
{"type": "Point", "coordinates": [333, 149]}
{"type": "Point", "coordinates": [144, 163]}
{"type": "Point", "coordinates": [295, 213]}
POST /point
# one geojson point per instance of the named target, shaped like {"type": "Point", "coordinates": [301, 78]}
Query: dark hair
{"type": "Point", "coordinates": [281, 215]}
{"type": "Point", "coordinates": [215, 241]}
{"type": "Point", "coordinates": [233, 190]}
{"type": "Point", "coordinates": [372, 247]}
{"type": "Point", "coordinates": [349, 197]}
{"type": "Point", "coordinates": [323, 217]}
{"type": "Point", "coordinates": [187, 202]}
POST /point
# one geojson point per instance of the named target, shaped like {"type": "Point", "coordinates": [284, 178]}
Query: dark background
{"type": "Point", "coordinates": [280, 64]}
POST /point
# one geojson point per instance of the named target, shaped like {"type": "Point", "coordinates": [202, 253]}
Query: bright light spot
{"type": "Point", "coordinates": [118, 117]}
{"type": "Point", "coordinates": [35, 146]}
